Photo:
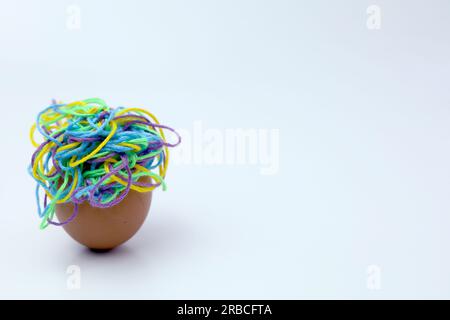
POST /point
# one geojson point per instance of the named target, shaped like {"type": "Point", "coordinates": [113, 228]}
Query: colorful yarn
{"type": "Point", "coordinates": [96, 153]}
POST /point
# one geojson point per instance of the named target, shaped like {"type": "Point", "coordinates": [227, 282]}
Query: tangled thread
{"type": "Point", "coordinates": [96, 153]}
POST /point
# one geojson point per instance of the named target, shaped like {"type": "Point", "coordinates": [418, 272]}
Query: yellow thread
{"type": "Point", "coordinates": [33, 142]}
{"type": "Point", "coordinates": [39, 161]}
{"type": "Point", "coordinates": [74, 184]}
{"type": "Point", "coordinates": [124, 183]}
{"type": "Point", "coordinates": [68, 146]}
{"type": "Point", "coordinates": [100, 147]}
{"type": "Point", "coordinates": [163, 168]}
{"type": "Point", "coordinates": [130, 145]}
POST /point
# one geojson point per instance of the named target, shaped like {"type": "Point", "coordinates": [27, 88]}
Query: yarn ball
{"type": "Point", "coordinates": [95, 153]}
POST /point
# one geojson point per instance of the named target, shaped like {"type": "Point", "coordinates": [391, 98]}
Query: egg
{"type": "Point", "coordinates": [102, 229]}
{"type": "Point", "coordinates": [98, 166]}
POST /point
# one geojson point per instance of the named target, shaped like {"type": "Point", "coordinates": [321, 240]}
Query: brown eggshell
{"type": "Point", "coordinates": [104, 229]}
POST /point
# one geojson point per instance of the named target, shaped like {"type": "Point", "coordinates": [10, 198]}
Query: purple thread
{"type": "Point", "coordinates": [70, 219]}
{"type": "Point", "coordinates": [112, 172]}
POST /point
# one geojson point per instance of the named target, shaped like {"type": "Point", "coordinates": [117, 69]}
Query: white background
{"type": "Point", "coordinates": [364, 146]}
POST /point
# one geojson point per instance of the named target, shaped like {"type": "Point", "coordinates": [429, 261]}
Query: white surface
{"type": "Point", "coordinates": [364, 150]}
